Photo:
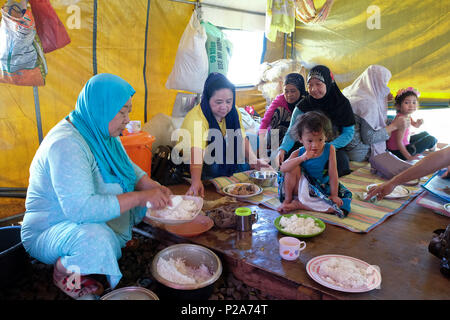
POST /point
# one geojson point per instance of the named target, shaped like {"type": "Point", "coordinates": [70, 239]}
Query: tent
{"type": "Point", "coordinates": [138, 40]}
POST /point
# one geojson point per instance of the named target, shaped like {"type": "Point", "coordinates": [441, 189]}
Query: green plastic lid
{"type": "Point", "coordinates": [243, 211]}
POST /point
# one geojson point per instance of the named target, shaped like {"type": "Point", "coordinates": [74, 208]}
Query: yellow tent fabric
{"type": "Point", "coordinates": [412, 42]}
{"type": "Point", "coordinates": [410, 38]}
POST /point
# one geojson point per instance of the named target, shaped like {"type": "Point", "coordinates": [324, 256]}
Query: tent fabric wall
{"type": "Point", "coordinates": [342, 42]}
{"type": "Point", "coordinates": [410, 38]}
{"type": "Point", "coordinates": [120, 50]}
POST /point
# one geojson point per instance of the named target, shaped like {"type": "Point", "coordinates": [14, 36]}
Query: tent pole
{"type": "Point", "coordinates": [220, 7]}
{"type": "Point", "coordinates": [38, 114]}
{"type": "Point", "coordinates": [145, 62]}
{"type": "Point", "coordinates": [292, 46]}
{"type": "Point", "coordinates": [94, 40]}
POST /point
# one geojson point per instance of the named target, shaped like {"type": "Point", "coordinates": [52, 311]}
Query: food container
{"type": "Point", "coordinates": [193, 255]}
{"type": "Point", "coordinates": [130, 293]}
{"type": "Point", "coordinates": [13, 257]}
{"type": "Point", "coordinates": [263, 178]}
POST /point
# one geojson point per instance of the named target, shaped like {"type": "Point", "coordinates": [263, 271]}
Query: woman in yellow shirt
{"type": "Point", "coordinates": [217, 143]}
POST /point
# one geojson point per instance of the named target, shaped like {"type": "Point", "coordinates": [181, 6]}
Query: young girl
{"type": "Point", "coordinates": [314, 166]}
{"type": "Point", "coordinates": [400, 143]}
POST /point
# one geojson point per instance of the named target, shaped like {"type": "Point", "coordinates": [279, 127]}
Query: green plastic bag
{"type": "Point", "coordinates": [218, 48]}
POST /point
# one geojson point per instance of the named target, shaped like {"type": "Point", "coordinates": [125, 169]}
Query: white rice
{"type": "Point", "coordinates": [343, 272]}
{"type": "Point", "coordinates": [185, 210]}
{"type": "Point", "coordinates": [297, 225]}
{"type": "Point", "coordinates": [175, 270]}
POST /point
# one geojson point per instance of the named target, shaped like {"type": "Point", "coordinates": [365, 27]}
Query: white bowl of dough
{"type": "Point", "coordinates": [185, 209]}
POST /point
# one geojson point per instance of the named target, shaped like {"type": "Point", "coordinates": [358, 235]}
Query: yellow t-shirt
{"type": "Point", "coordinates": [197, 126]}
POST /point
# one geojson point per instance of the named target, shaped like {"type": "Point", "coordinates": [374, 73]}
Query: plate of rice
{"type": "Point", "coordinates": [344, 273]}
{"type": "Point", "coordinates": [185, 211]}
{"type": "Point", "coordinates": [299, 225]}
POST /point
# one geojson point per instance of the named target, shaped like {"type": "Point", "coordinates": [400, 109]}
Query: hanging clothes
{"type": "Point", "coordinates": [280, 16]}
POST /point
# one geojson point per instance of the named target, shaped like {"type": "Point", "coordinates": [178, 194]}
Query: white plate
{"type": "Point", "coordinates": [313, 267]}
{"type": "Point", "coordinates": [153, 214]}
{"type": "Point", "coordinates": [227, 189]}
{"type": "Point", "coordinates": [398, 192]}
{"type": "Point", "coordinates": [447, 207]}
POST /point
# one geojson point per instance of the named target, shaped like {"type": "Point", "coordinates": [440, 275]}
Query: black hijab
{"type": "Point", "coordinates": [296, 80]}
{"type": "Point", "coordinates": [334, 104]}
{"type": "Point", "coordinates": [214, 82]}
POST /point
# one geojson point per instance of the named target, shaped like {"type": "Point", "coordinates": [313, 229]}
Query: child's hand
{"type": "Point", "coordinates": [390, 97]}
{"type": "Point", "coordinates": [419, 122]}
{"type": "Point", "coordinates": [308, 155]}
{"type": "Point", "coordinates": [338, 201]}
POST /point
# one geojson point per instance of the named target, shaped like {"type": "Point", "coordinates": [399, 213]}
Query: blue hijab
{"type": "Point", "coordinates": [214, 82]}
{"type": "Point", "coordinates": [98, 103]}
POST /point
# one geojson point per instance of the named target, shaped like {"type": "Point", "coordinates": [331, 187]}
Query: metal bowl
{"type": "Point", "coordinates": [263, 178]}
{"type": "Point", "coordinates": [130, 293]}
{"type": "Point", "coordinates": [193, 256]}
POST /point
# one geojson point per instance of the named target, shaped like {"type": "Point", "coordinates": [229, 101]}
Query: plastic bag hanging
{"type": "Point", "coordinates": [51, 31]}
{"type": "Point", "coordinates": [191, 62]}
{"type": "Point", "coordinates": [22, 60]}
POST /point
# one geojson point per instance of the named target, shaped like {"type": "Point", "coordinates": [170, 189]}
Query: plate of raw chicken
{"type": "Point", "coordinates": [242, 190]}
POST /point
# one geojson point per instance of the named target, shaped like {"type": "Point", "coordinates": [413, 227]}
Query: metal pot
{"type": "Point", "coordinates": [130, 293]}
{"type": "Point", "coordinates": [193, 255]}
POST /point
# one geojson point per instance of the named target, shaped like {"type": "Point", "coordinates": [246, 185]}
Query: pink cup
{"type": "Point", "coordinates": [290, 248]}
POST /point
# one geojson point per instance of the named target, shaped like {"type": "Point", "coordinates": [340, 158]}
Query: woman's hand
{"type": "Point", "coordinates": [400, 123]}
{"type": "Point", "coordinates": [338, 201]}
{"type": "Point", "coordinates": [260, 163]}
{"type": "Point", "coordinates": [446, 174]}
{"type": "Point", "coordinates": [196, 189]}
{"type": "Point", "coordinates": [158, 197]}
{"type": "Point", "coordinates": [280, 158]}
{"type": "Point", "coordinates": [381, 190]}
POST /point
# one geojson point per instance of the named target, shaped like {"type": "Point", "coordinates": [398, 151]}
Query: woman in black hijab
{"type": "Point", "coordinates": [278, 115]}
{"type": "Point", "coordinates": [325, 96]}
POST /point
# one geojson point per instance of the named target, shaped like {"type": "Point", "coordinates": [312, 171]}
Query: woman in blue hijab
{"type": "Point", "coordinates": [84, 193]}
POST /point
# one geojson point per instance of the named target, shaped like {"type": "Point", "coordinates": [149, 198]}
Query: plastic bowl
{"type": "Point", "coordinates": [192, 229]}
{"type": "Point", "coordinates": [263, 178]}
{"type": "Point", "coordinates": [193, 256]}
{"type": "Point", "coordinates": [317, 221]}
{"type": "Point", "coordinates": [154, 214]}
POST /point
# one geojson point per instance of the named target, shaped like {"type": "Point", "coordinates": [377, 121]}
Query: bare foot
{"type": "Point", "coordinates": [291, 206]}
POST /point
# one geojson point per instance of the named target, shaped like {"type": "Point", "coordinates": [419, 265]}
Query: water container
{"type": "Point", "coordinates": [139, 148]}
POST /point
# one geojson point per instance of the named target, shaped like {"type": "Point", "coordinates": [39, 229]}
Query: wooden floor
{"type": "Point", "coordinates": [399, 247]}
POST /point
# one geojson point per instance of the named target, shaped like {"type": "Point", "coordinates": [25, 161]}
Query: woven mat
{"type": "Point", "coordinates": [363, 217]}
